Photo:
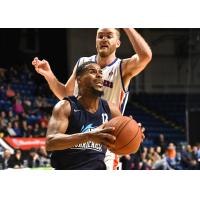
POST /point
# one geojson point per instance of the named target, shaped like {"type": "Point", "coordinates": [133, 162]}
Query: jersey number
{"type": "Point", "coordinates": [104, 117]}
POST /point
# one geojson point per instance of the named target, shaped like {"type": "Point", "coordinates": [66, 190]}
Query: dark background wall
{"type": "Point", "coordinates": [20, 46]}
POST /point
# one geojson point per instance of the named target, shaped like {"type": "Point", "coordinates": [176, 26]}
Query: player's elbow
{"type": "Point", "coordinates": [147, 57]}
{"type": "Point", "coordinates": [49, 143]}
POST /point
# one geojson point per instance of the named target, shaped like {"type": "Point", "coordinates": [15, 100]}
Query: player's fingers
{"type": "Point", "coordinates": [110, 139]}
{"type": "Point", "coordinates": [111, 147]}
{"type": "Point", "coordinates": [35, 60]}
{"type": "Point", "coordinates": [142, 137]}
{"type": "Point", "coordinates": [107, 130]}
{"type": "Point", "coordinates": [44, 61]}
{"type": "Point", "coordinates": [143, 129]}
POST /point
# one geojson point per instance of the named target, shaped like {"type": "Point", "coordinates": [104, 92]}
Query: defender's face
{"type": "Point", "coordinates": [107, 41]}
{"type": "Point", "coordinates": [92, 79]}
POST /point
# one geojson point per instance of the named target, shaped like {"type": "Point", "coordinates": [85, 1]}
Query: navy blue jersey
{"type": "Point", "coordinates": [87, 155]}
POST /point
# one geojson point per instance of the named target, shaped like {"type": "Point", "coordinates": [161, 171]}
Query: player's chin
{"type": "Point", "coordinates": [98, 91]}
{"type": "Point", "coordinates": [103, 53]}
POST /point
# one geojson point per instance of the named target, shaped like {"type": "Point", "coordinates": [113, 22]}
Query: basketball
{"type": "Point", "coordinates": [128, 135]}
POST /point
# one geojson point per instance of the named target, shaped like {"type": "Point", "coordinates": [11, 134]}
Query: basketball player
{"type": "Point", "coordinates": [75, 133]}
{"type": "Point", "coordinates": [117, 73]}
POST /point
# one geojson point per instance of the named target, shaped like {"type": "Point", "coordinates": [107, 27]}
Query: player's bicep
{"type": "Point", "coordinates": [59, 121]}
{"type": "Point", "coordinates": [132, 66]}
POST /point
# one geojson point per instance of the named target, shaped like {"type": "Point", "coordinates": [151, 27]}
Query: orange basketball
{"type": "Point", "coordinates": [128, 135]}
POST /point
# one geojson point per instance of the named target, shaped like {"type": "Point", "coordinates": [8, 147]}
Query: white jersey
{"type": "Point", "coordinates": [114, 90]}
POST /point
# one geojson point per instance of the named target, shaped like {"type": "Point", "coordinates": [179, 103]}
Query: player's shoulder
{"type": "Point", "coordinates": [116, 63]}
{"type": "Point", "coordinates": [62, 107]}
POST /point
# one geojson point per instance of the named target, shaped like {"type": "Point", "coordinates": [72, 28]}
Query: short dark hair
{"type": "Point", "coordinates": [80, 69]}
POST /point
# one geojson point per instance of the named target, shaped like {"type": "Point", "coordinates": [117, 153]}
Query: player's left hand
{"type": "Point", "coordinates": [142, 128]}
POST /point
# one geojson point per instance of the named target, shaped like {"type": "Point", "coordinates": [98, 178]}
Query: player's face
{"type": "Point", "coordinates": [92, 79]}
{"type": "Point", "coordinates": [107, 41]}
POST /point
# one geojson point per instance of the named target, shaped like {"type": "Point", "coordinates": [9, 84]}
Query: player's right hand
{"type": "Point", "coordinates": [103, 136]}
{"type": "Point", "coordinates": [42, 67]}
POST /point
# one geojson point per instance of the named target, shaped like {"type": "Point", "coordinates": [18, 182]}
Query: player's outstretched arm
{"type": "Point", "coordinates": [143, 55]}
{"type": "Point", "coordinates": [59, 89]}
{"type": "Point", "coordinates": [57, 139]}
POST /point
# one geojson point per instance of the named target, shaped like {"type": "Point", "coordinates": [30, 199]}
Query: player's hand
{"type": "Point", "coordinates": [42, 67]}
{"type": "Point", "coordinates": [103, 136]}
{"type": "Point", "coordinates": [142, 128]}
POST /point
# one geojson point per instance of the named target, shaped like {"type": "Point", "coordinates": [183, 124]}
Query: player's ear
{"type": "Point", "coordinates": [118, 43]}
{"type": "Point", "coordinates": [78, 79]}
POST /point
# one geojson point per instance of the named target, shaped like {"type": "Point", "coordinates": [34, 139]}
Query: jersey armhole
{"type": "Point", "coordinates": [120, 68]}
{"type": "Point", "coordinates": [69, 99]}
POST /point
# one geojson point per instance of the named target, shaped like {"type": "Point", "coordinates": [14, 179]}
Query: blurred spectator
{"type": "Point", "coordinates": [159, 151]}
{"type": "Point", "coordinates": [127, 162]}
{"type": "Point", "coordinates": [44, 158]}
{"type": "Point", "coordinates": [38, 102]}
{"type": "Point", "coordinates": [4, 118]}
{"type": "Point", "coordinates": [24, 128]}
{"type": "Point", "coordinates": [2, 92]}
{"type": "Point", "coordinates": [3, 125]}
{"type": "Point", "coordinates": [36, 130]}
{"type": "Point", "coordinates": [137, 157]}
{"type": "Point", "coordinates": [16, 161]}
{"type": "Point", "coordinates": [150, 154]}
{"type": "Point", "coordinates": [169, 162]}
{"type": "Point", "coordinates": [30, 131]}
{"type": "Point", "coordinates": [161, 141]}
{"type": "Point", "coordinates": [195, 153]}
{"type": "Point", "coordinates": [195, 157]}
{"type": "Point", "coordinates": [17, 129]}
{"type": "Point", "coordinates": [33, 159]}
{"type": "Point", "coordinates": [145, 163]}
{"type": "Point", "coordinates": [27, 105]}
{"type": "Point", "coordinates": [44, 121]}
{"type": "Point", "coordinates": [4, 159]}
{"type": "Point", "coordinates": [171, 156]}
{"type": "Point", "coordinates": [17, 106]}
{"type": "Point", "coordinates": [11, 117]}
{"type": "Point", "coordinates": [43, 129]}
{"type": "Point", "coordinates": [186, 157]}
{"type": "Point", "coordinates": [10, 93]}
{"type": "Point", "coordinates": [10, 130]}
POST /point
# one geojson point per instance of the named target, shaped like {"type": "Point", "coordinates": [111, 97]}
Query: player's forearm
{"type": "Point", "coordinates": [139, 44]}
{"type": "Point", "coordinates": [63, 141]}
{"type": "Point", "coordinates": [56, 87]}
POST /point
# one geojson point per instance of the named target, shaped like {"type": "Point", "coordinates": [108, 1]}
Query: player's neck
{"type": "Point", "coordinates": [104, 61]}
{"type": "Point", "coordinates": [90, 104]}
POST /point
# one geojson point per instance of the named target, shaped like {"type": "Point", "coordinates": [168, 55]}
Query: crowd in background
{"type": "Point", "coordinates": [23, 115]}
{"type": "Point", "coordinates": [182, 157]}
{"type": "Point", "coordinates": [26, 114]}
{"type": "Point", "coordinates": [35, 158]}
